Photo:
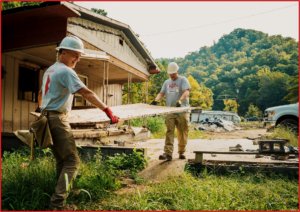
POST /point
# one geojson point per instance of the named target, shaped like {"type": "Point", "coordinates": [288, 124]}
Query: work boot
{"type": "Point", "coordinates": [182, 156]}
{"type": "Point", "coordinates": [165, 156]}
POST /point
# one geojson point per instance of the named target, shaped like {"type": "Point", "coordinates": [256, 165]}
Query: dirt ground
{"type": "Point", "coordinates": [159, 171]}
{"type": "Point", "coordinates": [237, 134]}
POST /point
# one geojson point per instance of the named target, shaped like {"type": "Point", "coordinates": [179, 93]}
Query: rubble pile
{"type": "Point", "coordinates": [217, 125]}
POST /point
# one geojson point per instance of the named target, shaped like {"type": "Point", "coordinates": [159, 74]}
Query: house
{"type": "Point", "coordinates": [201, 115]}
{"type": "Point", "coordinates": [29, 37]}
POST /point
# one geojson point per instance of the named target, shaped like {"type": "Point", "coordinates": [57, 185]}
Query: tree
{"type": "Point", "coordinates": [230, 105]}
{"type": "Point", "coordinates": [99, 11]}
{"type": "Point", "coordinates": [293, 96]}
{"type": "Point", "coordinates": [248, 92]}
{"type": "Point", "coordinates": [246, 59]}
{"type": "Point", "coordinates": [200, 95]}
{"type": "Point", "coordinates": [253, 111]}
{"type": "Point", "coordinates": [157, 81]}
{"type": "Point", "coordinates": [6, 5]}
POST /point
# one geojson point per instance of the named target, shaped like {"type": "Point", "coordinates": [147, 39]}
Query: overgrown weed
{"type": "Point", "coordinates": [28, 185]}
{"type": "Point", "coordinates": [210, 191]}
{"type": "Point", "coordinates": [286, 133]}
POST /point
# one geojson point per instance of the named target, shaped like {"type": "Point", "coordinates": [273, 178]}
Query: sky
{"type": "Point", "coordinates": [148, 18]}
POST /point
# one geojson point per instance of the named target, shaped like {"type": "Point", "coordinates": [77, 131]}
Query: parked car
{"type": "Point", "coordinates": [286, 115]}
{"type": "Point", "coordinates": [252, 119]}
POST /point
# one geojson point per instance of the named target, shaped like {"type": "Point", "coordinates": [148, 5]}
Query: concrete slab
{"type": "Point", "coordinates": [155, 148]}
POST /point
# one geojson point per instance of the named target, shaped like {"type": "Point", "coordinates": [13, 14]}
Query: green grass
{"type": "Point", "coordinates": [254, 191]}
{"type": "Point", "coordinates": [249, 123]}
{"type": "Point", "coordinates": [30, 187]}
{"type": "Point", "coordinates": [158, 128]}
{"type": "Point", "coordinates": [285, 133]}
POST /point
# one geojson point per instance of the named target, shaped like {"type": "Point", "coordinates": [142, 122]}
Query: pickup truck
{"type": "Point", "coordinates": [287, 115]}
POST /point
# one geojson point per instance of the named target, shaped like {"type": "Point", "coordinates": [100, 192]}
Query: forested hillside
{"type": "Point", "coordinates": [257, 64]}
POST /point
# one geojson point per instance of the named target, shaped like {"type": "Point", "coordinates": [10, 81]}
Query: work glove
{"type": "Point", "coordinates": [154, 102]}
{"type": "Point", "coordinates": [178, 103]}
{"type": "Point", "coordinates": [37, 109]}
{"type": "Point", "coordinates": [109, 113]}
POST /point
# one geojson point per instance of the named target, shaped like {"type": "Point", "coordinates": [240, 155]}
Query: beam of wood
{"type": "Point", "coordinates": [124, 112]}
{"type": "Point", "coordinates": [241, 152]}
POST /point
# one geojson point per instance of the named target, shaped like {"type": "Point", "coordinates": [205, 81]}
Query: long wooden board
{"type": "Point", "coordinates": [124, 112]}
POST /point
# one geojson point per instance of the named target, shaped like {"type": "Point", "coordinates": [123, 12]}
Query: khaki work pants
{"type": "Point", "coordinates": [182, 123]}
{"type": "Point", "coordinates": [65, 152]}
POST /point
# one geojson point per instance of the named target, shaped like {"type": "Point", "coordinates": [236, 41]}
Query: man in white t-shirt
{"type": "Point", "coordinates": [177, 90]}
{"type": "Point", "coordinates": [60, 82]}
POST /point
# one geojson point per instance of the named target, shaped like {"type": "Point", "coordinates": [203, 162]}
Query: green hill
{"type": "Point", "coordinates": [257, 64]}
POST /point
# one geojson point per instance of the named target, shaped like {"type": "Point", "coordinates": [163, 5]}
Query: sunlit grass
{"type": "Point", "coordinates": [209, 192]}
{"type": "Point", "coordinates": [285, 133]}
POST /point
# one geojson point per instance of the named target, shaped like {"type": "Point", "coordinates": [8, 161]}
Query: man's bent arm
{"type": "Point", "coordinates": [90, 96]}
{"type": "Point", "coordinates": [160, 96]}
{"type": "Point", "coordinates": [185, 94]}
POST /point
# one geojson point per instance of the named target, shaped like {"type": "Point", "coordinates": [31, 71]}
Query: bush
{"type": "Point", "coordinates": [242, 119]}
{"type": "Point", "coordinates": [155, 123]}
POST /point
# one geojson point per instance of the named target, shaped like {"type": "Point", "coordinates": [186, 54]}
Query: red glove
{"type": "Point", "coordinates": [109, 113]}
{"type": "Point", "coordinates": [37, 109]}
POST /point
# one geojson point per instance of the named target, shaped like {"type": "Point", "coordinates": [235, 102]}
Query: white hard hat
{"type": "Point", "coordinates": [72, 43]}
{"type": "Point", "coordinates": [172, 68]}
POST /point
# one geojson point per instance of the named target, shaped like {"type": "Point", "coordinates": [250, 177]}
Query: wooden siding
{"type": "Point", "coordinates": [107, 39]}
{"type": "Point", "coordinates": [115, 90]}
{"type": "Point", "coordinates": [15, 113]}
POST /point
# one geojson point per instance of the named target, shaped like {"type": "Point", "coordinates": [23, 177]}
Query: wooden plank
{"type": "Point", "coordinates": [101, 92]}
{"type": "Point", "coordinates": [238, 152]}
{"type": "Point", "coordinates": [3, 63]}
{"type": "Point", "coordinates": [97, 89]}
{"type": "Point", "coordinates": [24, 115]}
{"type": "Point", "coordinates": [124, 112]}
{"type": "Point", "coordinates": [16, 102]}
{"type": "Point", "coordinates": [8, 106]}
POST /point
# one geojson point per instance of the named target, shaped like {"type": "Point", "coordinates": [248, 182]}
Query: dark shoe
{"type": "Point", "coordinates": [182, 156]}
{"type": "Point", "coordinates": [165, 156]}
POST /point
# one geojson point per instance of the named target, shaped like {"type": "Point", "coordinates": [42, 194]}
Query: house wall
{"type": "Point", "coordinates": [107, 39]}
{"type": "Point", "coordinates": [15, 114]}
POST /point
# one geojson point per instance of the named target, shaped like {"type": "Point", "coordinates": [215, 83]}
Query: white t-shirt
{"type": "Point", "coordinates": [59, 84]}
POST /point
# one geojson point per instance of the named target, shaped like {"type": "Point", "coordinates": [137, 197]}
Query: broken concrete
{"type": "Point", "coordinates": [217, 125]}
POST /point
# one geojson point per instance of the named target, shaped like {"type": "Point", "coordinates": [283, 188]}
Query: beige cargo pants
{"type": "Point", "coordinates": [65, 152]}
{"type": "Point", "coordinates": [182, 123]}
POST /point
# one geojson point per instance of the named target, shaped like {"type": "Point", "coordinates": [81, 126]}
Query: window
{"type": "Point", "coordinates": [28, 84]}
{"type": "Point", "coordinates": [121, 41]}
{"type": "Point", "coordinates": [78, 100]}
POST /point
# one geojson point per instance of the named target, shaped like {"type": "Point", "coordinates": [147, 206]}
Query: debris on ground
{"type": "Point", "coordinates": [238, 147]}
{"type": "Point", "coordinates": [217, 125]}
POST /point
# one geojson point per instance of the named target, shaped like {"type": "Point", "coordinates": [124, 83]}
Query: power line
{"type": "Point", "coordinates": [217, 22]}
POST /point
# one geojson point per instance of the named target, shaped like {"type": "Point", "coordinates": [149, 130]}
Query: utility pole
{"type": "Point", "coordinates": [237, 101]}
{"type": "Point", "coordinates": [237, 98]}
